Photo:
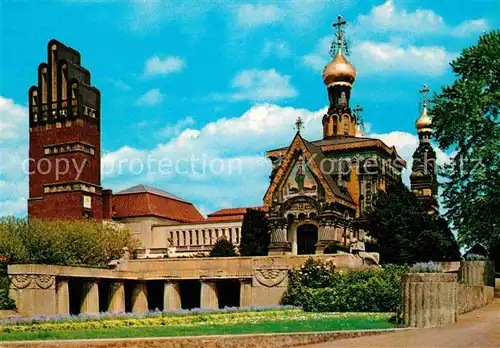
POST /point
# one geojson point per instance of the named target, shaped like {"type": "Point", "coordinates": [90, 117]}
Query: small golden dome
{"type": "Point", "coordinates": [339, 71]}
{"type": "Point", "coordinates": [424, 123]}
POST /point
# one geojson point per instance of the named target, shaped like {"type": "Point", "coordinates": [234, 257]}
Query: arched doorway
{"type": "Point", "coordinates": [307, 237]}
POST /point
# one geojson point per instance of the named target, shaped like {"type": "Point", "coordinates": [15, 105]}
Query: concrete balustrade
{"type": "Point", "coordinates": [172, 295]}
{"type": "Point", "coordinates": [90, 300]}
{"type": "Point", "coordinates": [429, 299]}
{"type": "Point", "coordinates": [116, 299]}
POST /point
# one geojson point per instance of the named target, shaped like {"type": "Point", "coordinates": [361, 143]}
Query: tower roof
{"type": "Point", "coordinates": [149, 189]}
{"type": "Point", "coordinates": [339, 71]}
{"type": "Point", "coordinates": [424, 122]}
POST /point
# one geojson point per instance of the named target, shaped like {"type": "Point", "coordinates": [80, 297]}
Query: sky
{"type": "Point", "coordinates": [195, 92]}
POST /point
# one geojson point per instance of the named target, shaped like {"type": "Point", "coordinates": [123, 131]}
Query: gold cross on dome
{"type": "Point", "coordinates": [341, 41]}
{"type": "Point", "coordinates": [424, 92]}
{"type": "Point", "coordinates": [299, 124]}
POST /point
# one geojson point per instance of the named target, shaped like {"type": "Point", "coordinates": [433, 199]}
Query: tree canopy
{"type": "Point", "coordinates": [406, 232]}
{"type": "Point", "coordinates": [254, 234]}
{"type": "Point", "coordinates": [223, 248]}
{"type": "Point", "coordinates": [465, 122]}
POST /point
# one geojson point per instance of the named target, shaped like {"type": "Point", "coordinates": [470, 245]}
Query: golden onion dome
{"type": "Point", "coordinates": [424, 122]}
{"type": "Point", "coordinates": [339, 71]}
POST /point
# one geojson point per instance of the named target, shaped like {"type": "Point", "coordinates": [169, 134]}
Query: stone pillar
{"type": "Point", "coordinates": [429, 299]}
{"type": "Point", "coordinates": [116, 299]}
{"type": "Point", "coordinates": [279, 242]}
{"type": "Point", "coordinates": [172, 295]}
{"type": "Point", "coordinates": [62, 296]}
{"type": "Point", "coordinates": [245, 292]}
{"type": "Point", "coordinates": [233, 236]}
{"type": "Point", "coordinates": [209, 298]}
{"type": "Point", "coordinates": [90, 297]}
{"type": "Point", "coordinates": [140, 297]}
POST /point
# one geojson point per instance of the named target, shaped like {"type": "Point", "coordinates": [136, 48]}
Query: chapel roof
{"type": "Point", "coordinates": [344, 143]}
{"type": "Point", "coordinates": [231, 214]}
{"type": "Point", "coordinates": [143, 200]}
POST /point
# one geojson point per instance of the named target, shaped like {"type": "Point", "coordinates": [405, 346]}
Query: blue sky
{"type": "Point", "coordinates": [225, 81]}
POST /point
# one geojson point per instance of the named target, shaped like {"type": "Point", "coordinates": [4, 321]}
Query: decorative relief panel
{"type": "Point", "coordinates": [33, 281]}
{"type": "Point", "coordinates": [270, 276]}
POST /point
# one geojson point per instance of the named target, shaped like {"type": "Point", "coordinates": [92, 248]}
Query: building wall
{"type": "Point", "coordinates": [142, 227]}
{"type": "Point", "coordinates": [187, 239]}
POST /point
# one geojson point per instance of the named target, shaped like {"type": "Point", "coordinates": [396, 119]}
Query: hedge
{"type": "Point", "coordinates": [319, 287]}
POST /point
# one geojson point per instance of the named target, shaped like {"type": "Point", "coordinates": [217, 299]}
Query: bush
{"type": "Point", "coordinates": [80, 242]}
{"type": "Point", "coordinates": [426, 267]}
{"type": "Point", "coordinates": [318, 287]}
{"type": "Point", "coordinates": [223, 248]}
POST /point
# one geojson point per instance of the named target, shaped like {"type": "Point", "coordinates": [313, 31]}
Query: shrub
{"type": "Point", "coordinates": [223, 248]}
{"type": "Point", "coordinates": [426, 267]}
{"type": "Point", "coordinates": [80, 242]}
{"type": "Point", "coordinates": [318, 287]}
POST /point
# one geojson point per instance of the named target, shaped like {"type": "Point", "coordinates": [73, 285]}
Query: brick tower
{"type": "Point", "coordinates": [65, 140]}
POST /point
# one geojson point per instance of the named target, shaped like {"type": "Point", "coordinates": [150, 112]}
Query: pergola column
{"type": "Point", "coordinates": [172, 295]}
{"type": "Point", "coordinates": [140, 297]}
{"type": "Point", "coordinates": [62, 296]}
{"type": "Point", "coordinates": [116, 300]}
{"type": "Point", "coordinates": [90, 300]}
{"type": "Point", "coordinates": [245, 292]}
{"type": "Point", "coordinates": [209, 298]}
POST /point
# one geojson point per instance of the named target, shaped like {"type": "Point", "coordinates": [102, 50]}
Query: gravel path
{"type": "Point", "coordinates": [479, 328]}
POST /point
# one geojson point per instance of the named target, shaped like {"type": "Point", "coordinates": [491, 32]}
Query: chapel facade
{"type": "Point", "coordinates": [320, 188]}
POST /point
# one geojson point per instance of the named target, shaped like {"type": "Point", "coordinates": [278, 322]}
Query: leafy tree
{"type": "Point", "coordinates": [255, 236]}
{"type": "Point", "coordinates": [405, 232]}
{"type": "Point", "coordinates": [465, 119]}
{"type": "Point", "coordinates": [82, 242]}
{"type": "Point", "coordinates": [223, 248]}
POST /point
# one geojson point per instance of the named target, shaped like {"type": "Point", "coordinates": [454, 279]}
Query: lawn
{"type": "Point", "coordinates": [213, 325]}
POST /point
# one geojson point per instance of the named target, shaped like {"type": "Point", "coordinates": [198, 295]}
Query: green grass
{"type": "Point", "coordinates": [352, 322]}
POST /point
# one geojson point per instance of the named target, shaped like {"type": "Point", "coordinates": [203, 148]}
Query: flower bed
{"type": "Point", "coordinates": [166, 319]}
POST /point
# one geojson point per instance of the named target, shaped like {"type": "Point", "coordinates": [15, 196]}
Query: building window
{"type": "Point", "coordinates": [346, 125]}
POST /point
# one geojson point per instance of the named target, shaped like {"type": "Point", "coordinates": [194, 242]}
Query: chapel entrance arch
{"type": "Point", "coordinates": [307, 238]}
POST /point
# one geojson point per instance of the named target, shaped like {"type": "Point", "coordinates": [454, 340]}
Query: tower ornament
{"type": "Point", "coordinates": [299, 124]}
{"type": "Point", "coordinates": [341, 41]}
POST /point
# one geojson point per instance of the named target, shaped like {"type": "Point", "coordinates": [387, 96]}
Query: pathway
{"type": "Point", "coordinates": [479, 328]}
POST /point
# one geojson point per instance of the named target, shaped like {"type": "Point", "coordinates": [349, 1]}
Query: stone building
{"type": "Point", "coordinates": [318, 189]}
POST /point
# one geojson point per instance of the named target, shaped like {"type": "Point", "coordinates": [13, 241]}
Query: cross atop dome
{"type": "Point", "coordinates": [299, 124]}
{"type": "Point", "coordinates": [341, 40]}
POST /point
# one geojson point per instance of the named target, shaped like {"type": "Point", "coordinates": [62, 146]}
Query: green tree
{"type": "Point", "coordinates": [405, 232]}
{"type": "Point", "coordinates": [223, 248]}
{"type": "Point", "coordinates": [255, 236]}
{"type": "Point", "coordinates": [465, 120]}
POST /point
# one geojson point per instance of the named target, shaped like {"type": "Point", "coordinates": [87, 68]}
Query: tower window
{"type": "Point", "coordinates": [346, 125]}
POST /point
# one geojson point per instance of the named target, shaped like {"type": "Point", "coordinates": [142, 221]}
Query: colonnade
{"type": "Point", "coordinates": [138, 297]}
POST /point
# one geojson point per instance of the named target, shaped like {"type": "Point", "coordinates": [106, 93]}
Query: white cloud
{"type": "Point", "coordinates": [175, 129]}
{"type": "Point", "coordinates": [150, 98]}
{"type": "Point", "coordinates": [155, 66]}
{"type": "Point", "coordinates": [387, 17]}
{"type": "Point", "coordinates": [256, 15]}
{"type": "Point", "coordinates": [470, 27]}
{"type": "Point", "coordinates": [276, 48]}
{"type": "Point", "coordinates": [395, 57]}
{"type": "Point", "coordinates": [378, 57]}
{"type": "Point", "coordinates": [13, 151]}
{"type": "Point", "coordinates": [260, 85]}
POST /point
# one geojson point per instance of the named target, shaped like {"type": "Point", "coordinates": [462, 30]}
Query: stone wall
{"type": "Point", "coordinates": [46, 289]}
{"type": "Point", "coordinates": [470, 297]}
{"type": "Point", "coordinates": [478, 272]}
